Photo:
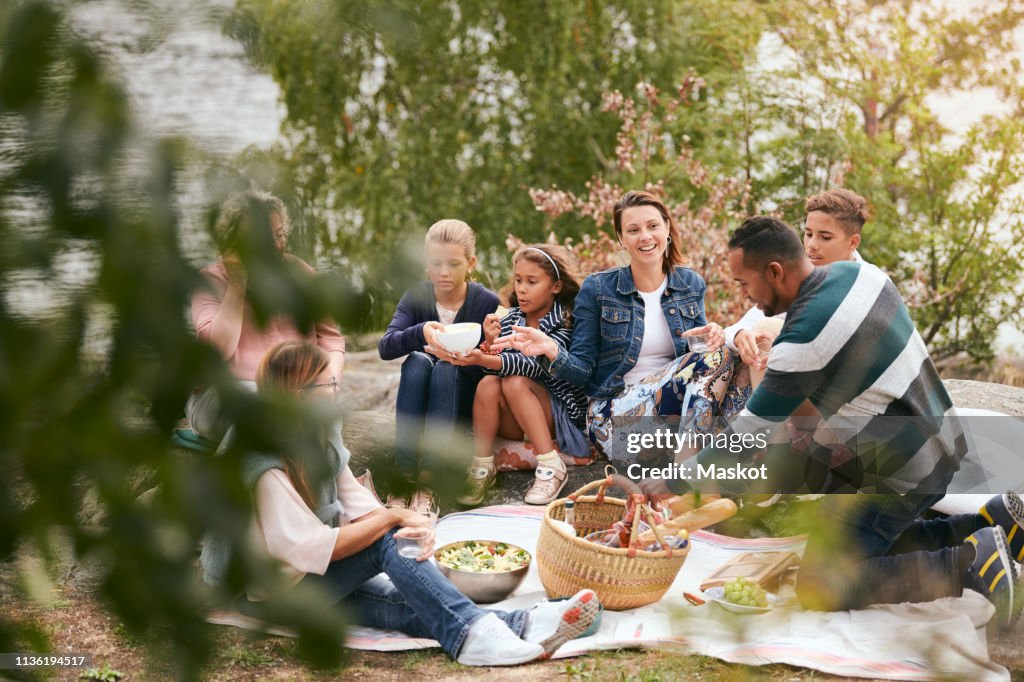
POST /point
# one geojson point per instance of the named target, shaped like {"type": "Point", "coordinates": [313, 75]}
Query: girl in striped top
{"type": "Point", "coordinates": [519, 398]}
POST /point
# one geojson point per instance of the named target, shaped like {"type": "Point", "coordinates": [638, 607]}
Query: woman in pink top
{"type": "Point", "coordinates": [222, 317]}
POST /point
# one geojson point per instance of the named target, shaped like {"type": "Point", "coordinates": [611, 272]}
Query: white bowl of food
{"type": "Point", "coordinates": [459, 338]}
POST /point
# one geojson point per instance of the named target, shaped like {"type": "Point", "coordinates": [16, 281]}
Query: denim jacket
{"type": "Point", "coordinates": [608, 327]}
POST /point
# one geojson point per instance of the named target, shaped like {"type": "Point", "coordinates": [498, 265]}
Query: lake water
{"type": "Point", "coordinates": [186, 78]}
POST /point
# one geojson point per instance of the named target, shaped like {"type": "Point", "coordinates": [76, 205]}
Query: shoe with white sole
{"type": "Point", "coordinates": [994, 574]}
{"type": "Point", "coordinates": [424, 503]}
{"type": "Point", "coordinates": [490, 641]}
{"type": "Point", "coordinates": [397, 502]}
{"type": "Point", "coordinates": [481, 478]}
{"type": "Point", "coordinates": [1007, 512]}
{"type": "Point", "coordinates": [552, 624]}
{"type": "Point", "coordinates": [548, 481]}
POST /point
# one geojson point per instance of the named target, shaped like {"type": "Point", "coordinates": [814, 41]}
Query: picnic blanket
{"type": "Point", "coordinates": [898, 642]}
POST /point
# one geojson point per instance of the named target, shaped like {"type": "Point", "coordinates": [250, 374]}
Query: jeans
{"type": "Point", "coordinates": [417, 600]}
{"type": "Point", "coordinates": [873, 549]}
{"type": "Point", "coordinates": [432, 394]}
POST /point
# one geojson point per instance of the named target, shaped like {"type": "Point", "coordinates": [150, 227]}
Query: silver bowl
{"type": "Point", "coordinates": [484, 588]}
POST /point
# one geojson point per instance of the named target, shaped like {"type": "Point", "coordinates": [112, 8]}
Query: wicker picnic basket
{"type": "Point", "coordinates": [622, 577]}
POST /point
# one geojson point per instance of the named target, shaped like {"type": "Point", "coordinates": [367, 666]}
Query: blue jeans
{"type": "Point", "coordinates": [873, 549]}
{"type": "Point", "coordinates": [417, 600]}
{"type": "Point", "coordinates": [431, 393]}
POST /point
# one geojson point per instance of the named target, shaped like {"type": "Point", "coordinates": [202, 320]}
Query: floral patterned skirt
{"type": "Point", "coordinates": [704, 391]}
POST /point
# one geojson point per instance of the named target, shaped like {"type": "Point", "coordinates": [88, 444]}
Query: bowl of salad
{"type": "Point", "coordinates": [486, 571]}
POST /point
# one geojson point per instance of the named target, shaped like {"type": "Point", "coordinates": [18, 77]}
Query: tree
{"type": "Point", "coordinates": [653, 152]}
{"type": "Point", "coordinates": [853, 103]}
{"type": "Point", "coordinates": [946, 208]}
{"type": "Point", "coordinates": [401, 113]}
{"type": "Point", "coordinates": [79, 424]}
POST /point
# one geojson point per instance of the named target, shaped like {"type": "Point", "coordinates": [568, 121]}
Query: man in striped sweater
{"type": "Point", "coordinates": [850, 347]}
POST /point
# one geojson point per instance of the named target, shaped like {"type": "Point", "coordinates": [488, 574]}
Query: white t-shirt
{"type": "Point", "coordinates": [656, 349]}
{"type": "Point", "coordinates": [288, 530]}
{"type": "Point", "coordinates": [755, 314]}
{"type": "Point", "coordinates": [444, 315]}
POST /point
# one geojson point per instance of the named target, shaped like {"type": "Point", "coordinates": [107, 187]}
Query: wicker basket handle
{"type": "Point", "coordinates": [611, 478]}
{"type": "Point", "coordinates": [657, 533]}
{"type": "Point", "coordinates": [645, 509]}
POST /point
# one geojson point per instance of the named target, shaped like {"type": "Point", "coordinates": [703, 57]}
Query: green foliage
{"type": "Point", "coordinates": [946, 207]}
{"type": "Point", "coordinates": [81, 423]}
{"type": "Point", "coordinates": [852, 102]}
{"type": "Point", "coordinates": [248, 655]}
{"type": "Point", "coordinates": [401, 113]}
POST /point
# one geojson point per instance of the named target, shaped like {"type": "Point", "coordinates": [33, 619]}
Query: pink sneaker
{"type": "Point", "coordinates": [547, 483]}
{"type": "Point", "coordinates": [481, 478]}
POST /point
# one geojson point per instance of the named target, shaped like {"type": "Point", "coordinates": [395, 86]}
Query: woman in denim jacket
{"type": "Point", "coordinates": [631, 344]}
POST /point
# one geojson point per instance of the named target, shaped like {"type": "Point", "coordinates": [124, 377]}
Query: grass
{"type": "Point", "coordinates": [243, 656]}
{"type": "Point", "coordinates": [415, 658]}
{"type": "Point", "coordinates": [104, 674]}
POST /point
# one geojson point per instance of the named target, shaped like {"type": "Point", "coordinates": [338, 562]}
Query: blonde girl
{"type": "Point", "coordinates": [434, 395]}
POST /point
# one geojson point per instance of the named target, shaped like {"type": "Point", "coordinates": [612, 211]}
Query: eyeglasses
{"type": "Point", "coordinates": [333, 384]}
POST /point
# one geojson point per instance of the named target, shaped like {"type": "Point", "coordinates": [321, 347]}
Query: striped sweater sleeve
{"type": "Point", "coordinates": [514, 363]}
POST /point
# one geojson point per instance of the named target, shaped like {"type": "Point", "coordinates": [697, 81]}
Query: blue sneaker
{"type": "Point", "coordinates": [1007, 512]}
{"type": "Point", "coordinates": [994, 574]}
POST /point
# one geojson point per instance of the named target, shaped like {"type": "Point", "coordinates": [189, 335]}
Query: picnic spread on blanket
{"type": "Point", "coordinates": [694, 594]}
{"type": "Point", "coordinates": [893, 641]}
{"type": "Point", "coordinates": [665, 583]}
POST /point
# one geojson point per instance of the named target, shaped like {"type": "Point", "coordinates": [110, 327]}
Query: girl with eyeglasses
{"type": "Point", "coordinates": [334, 533]}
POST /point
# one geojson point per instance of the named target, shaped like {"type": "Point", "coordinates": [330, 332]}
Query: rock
{"type": "Point", "coordinates": [983, 395]}
{"type": "Point", "coordinates": [369, 436]}
{"type": "Point", "coordinates": [371, 385]}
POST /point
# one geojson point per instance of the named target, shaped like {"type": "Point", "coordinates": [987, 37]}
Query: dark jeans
{"type": "Point", "coordinates": [873, 549]}
{"type": "Point", "coordinates": [417, 600]}
{"type": "Point", "coordinates": [434, 397]}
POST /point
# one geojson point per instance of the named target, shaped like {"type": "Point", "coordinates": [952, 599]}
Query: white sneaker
{"type": "Point", "coordinates": [490, 641]}
{"type": "Point", "coordinates": [552, 624]}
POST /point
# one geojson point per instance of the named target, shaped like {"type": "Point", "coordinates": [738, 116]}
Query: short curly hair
{"type": "Point", "coordinates": [847, 208]}
{"type": "Point", "coordinates": [765, 239]}
{"type": "Point", "coordinates": [237, 211]}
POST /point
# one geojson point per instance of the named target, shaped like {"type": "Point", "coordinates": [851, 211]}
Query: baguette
{"type": "Point", "coordinates": [680, 504]}
{"type": "Point", "coordinates": [702, 517]}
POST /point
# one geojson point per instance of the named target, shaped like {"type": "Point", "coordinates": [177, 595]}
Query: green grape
{"type": "Point", "coordinates": [745, 592]}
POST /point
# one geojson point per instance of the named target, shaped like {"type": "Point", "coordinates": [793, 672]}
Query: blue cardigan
{"type": "Point", "coordinates": [419, 306]}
